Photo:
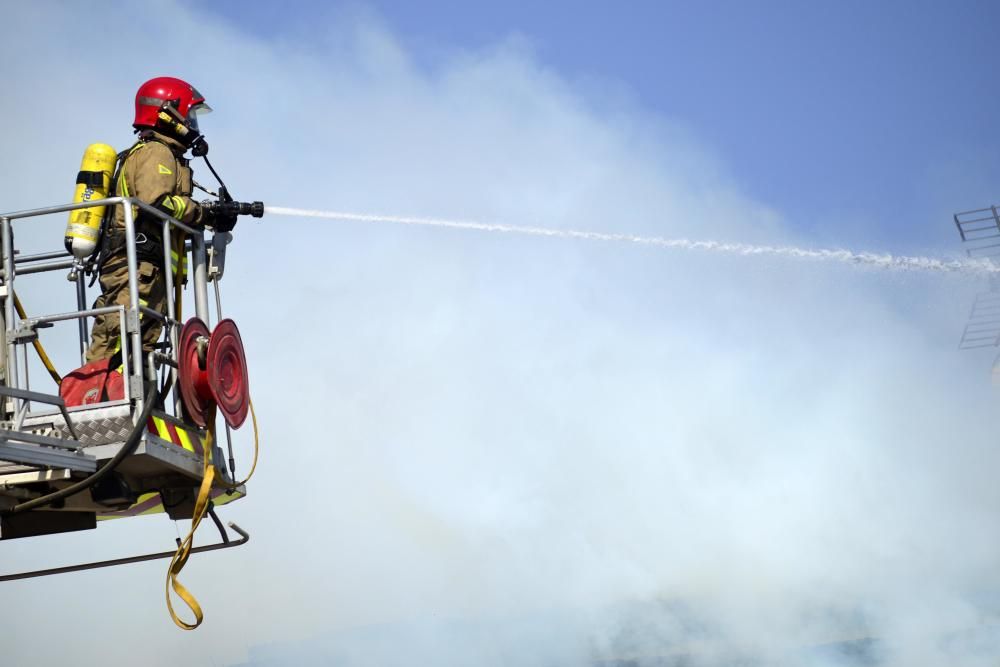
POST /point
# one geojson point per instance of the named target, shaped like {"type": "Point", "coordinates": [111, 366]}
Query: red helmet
{"type": "Point", "coordinates": [178, 98]}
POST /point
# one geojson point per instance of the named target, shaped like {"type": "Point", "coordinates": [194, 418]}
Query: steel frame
{"type": "Point", "coordinates": [226, 543]}
{"type": "Point", "coordinates": [17, 334]}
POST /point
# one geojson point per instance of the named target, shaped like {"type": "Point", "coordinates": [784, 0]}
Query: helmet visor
{"type": "Point", "coordinates": [195, 111]}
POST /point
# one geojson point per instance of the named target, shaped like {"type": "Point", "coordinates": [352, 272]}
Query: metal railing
{"type": "Point", "coordinates": [980, 228]}
{"type": "Point", "coordinates": [129, 316]}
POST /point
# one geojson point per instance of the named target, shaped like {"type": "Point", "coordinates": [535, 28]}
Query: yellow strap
{"type": "Point", "coordinates": [122, 181]}
{"type": "Point", "coordinates": [37, 344]}
{"type": "Point", "coordinates": [180, 558]}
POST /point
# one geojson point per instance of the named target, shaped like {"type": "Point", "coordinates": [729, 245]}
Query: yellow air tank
{"type": "Point", "coordinates": [93, 182]}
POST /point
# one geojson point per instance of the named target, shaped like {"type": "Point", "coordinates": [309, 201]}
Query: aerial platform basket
{"type": "Point", "coordinates": [147, 446]}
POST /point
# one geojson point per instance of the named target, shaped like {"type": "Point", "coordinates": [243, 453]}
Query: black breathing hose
{"type": "Point", "coordinates": [214, 173]}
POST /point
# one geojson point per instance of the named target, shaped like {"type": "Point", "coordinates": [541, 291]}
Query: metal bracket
{"type": "Point", "coordinates": [217, 255]}
{"type": "Point", "coordinates": [164, 360]}
{"type": "Point", "coordinates": [27, 331]}
{"type": "Point", "coordinates": [131, 321]}
{"type": "Point", "coordinates": [135, 387]}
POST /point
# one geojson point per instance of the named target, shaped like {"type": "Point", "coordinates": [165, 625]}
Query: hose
{"type": "Point", "coordinates": [256, 451]}
{"type": "Point", "coordinates": [202, 504]}
{"type": "Point", "coordinates": [127, 449]}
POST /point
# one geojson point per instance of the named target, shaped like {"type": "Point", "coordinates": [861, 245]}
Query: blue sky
{"type": "Point", "coordinates": [496, 449]}
{"type": "Point", "coordinates": [872, 112]}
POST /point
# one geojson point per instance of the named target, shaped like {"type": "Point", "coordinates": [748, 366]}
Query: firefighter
{"type": "Point", "coordinates": [155, 171]}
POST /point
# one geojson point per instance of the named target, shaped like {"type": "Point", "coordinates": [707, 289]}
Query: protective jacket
{"type": "Point", "coordinates": [156, 172]}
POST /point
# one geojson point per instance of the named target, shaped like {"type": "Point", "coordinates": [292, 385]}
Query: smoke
{"type": "Point", "coordinates": [484, 449]}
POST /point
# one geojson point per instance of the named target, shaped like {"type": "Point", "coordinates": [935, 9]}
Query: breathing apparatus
{"type": "Point", "coordinates": [93, 182]}
{"type": "Point", "coordinates": [167, 105]}
{"type": "Point", "coordinates": [181, 128]}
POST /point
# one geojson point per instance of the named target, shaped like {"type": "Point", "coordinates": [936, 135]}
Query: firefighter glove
{"type": "Point", "coordinates": [220, 216]}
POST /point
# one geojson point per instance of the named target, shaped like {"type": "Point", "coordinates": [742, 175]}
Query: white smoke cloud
{"type": "Point", "coordinates": [496, 450]}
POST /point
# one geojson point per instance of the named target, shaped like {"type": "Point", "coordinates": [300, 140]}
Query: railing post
{"type": "Point", "coordinates": [132, 315]}
{"type": "Point", "coordinates": [200, 278]}
{"type": "Point", "coordinates": [171, 306]}
{"type": "Point", "coordinates": [10, 350]}
{"type": "Point", "coordinates": [81, 304]}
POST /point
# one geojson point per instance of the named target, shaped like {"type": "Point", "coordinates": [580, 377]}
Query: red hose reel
{"type": "Point", "coordinates": [213, 372]}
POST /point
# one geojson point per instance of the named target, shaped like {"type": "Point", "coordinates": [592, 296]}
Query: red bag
{"type": "Point", "coordinates": [93, 383]}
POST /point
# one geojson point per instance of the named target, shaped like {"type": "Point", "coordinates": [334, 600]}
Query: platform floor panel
{"type": "Point", "coordinates": [153, 457]}
{"type": "Point", "coordinates": [94, 425]}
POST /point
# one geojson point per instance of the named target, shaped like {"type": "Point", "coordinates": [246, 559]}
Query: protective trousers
{"type": "Point", "coordinates": [105, 339]}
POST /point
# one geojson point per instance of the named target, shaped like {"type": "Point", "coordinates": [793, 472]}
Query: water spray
{"type": "Point", "coordinates": [870, 259]}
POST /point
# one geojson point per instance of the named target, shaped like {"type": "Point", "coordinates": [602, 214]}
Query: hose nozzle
{"type": "Point", "coordinates": [254, 209]}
